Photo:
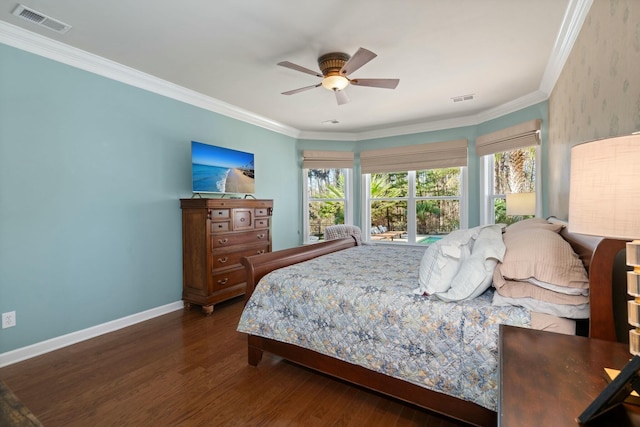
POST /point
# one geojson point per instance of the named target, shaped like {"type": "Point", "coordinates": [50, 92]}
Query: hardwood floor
{"type": "Point", "coordinates": [185, 369]}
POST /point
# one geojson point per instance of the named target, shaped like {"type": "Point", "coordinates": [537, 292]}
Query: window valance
{"type": "Point", "coordinates": [415, 157]}
{"type": "Point", "coordinates": [523, 135]}
{"type": "Point", "coordinates": [312, 159]}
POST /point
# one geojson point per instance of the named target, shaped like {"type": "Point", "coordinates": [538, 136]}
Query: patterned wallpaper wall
{"type": "Point", "coordinates": [598, 92]}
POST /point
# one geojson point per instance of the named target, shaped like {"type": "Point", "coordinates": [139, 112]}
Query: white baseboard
{"type": "Point", "coordinates": [56, 343]}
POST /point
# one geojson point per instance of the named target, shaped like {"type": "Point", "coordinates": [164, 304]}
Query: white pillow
{"type": "Point", "coordinates": [442, 259]}
{"type": "Point", "coordinates": [476, 273]}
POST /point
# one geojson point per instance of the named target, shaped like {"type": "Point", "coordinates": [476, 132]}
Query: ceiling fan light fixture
{"type": "Point", "coordinates": [335, 82]}
{"type": "Point", "coordinates": [335, 68]}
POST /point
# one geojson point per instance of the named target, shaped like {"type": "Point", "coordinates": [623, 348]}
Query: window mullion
{"type": "Point", "coordinates": [411, 207]}
{"type": "Point", "coordinates": [305, 204]}
{"type": "Point", "coordinates": [366, 203]}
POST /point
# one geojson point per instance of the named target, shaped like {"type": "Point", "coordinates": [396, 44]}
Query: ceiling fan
{"type": "Point", "coordinates": [335, 68]}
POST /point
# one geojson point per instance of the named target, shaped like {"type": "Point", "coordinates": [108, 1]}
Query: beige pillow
{"type": "Point", "coordinates": [536, 223]}
{"type": "Point", "coordinates": [517, 289]}
{"type": "Point", "coordinates": [542, 254]}
{"type": "Point", "coordinates": [547, 322]}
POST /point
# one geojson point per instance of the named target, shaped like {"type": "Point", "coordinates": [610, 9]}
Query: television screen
{"type": "Point", "coordinates": [221, 170]}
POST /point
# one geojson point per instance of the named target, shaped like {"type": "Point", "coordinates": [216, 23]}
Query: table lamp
{"type": "Point", "coordinates": [521, 204]}
{"type": "Point", "coordinates": [604, 200]}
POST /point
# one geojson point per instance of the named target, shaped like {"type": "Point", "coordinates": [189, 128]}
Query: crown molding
{"type": "Point", "coordinates": [576, 13]}
{"type": "Point", "coordinates": [456, 122]}
{"type": "Point", "coordinates": [20, 38]}
{"type": "Point", "coordinates": [512, 106]}
{"type": "Point", "coordinates": [574, 17]}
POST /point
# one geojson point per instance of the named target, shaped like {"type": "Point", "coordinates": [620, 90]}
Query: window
{"type": "Point", "coordinates": [413, 206]}
{"type": "Point", "coordinates": [326, 177]}
{"type": "Point", "coordinates": [420, 204]}
{"type": "Point", "coordinates": [326, 200]}
{"type": "Point", "coordinates": [510, 163]}
{"type": "Point", "coordinates": [513, 171]}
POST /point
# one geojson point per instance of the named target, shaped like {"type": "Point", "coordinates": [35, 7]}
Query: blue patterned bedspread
{"type": "Point", "coordinates": [357, 305]}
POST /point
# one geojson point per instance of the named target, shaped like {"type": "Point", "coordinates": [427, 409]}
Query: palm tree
{"type": "Point", "coordinates": [387, 186]}
{"type": "Point", "coordinates": [425, 210]}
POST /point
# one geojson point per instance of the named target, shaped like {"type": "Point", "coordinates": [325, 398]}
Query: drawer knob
{"type": "Point", "coordinates": [223, 241]}
{"type": "Point", "coordinates": [260, 252]}
{"type": "Point", "coordinates": [223, 281]}
{"type": "Point", "coordinates": [261, 236]}
{"type": "Point", "coordinates": [242, 219]}
{"type": "Point", "coordinates": [223, 260]}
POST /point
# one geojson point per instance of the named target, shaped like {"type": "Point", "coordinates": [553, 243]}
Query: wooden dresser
{"type": "Point", "coordinates": [216, 233]}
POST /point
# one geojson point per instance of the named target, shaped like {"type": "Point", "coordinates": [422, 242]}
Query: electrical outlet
{"type": "Point", "coordinates": [8, 319]}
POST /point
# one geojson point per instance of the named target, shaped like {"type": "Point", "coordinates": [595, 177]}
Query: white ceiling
{"type": "Point", "coordinates": [504, 52]}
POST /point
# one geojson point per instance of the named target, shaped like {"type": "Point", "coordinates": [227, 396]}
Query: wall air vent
{"type": "Point", "coordinates": [38, 18]}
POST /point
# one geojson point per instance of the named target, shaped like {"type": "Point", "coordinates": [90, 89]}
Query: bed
{"type": "Point", "coordinates": [459, 380]}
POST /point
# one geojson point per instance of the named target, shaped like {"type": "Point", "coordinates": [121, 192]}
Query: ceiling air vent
{"type": "Point", "coordinates": [40, 19]}
{"type": "Point", "coordinates": [463, 98]}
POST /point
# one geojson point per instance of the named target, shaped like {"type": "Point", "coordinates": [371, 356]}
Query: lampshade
{"type": "Point", "coordinates": [604, 200]}
{"type": "Point", "coordinates": [521, 204]}
{"type": "Point", "coordinates": [604, 192]}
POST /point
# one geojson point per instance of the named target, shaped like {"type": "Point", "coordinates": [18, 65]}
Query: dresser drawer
{"type": "Point", "coordinates": [228, 278]}
{"type": "Point", "coordinates": [219, 213]}
{"type": "Point", "coordinates": [220, 227]}
{"type": "Point", "coordinates": [262, 212]}
{"type": "Point", "coordinates": [232, 259]}
{"type": "Point", "coordinates": [242, 219]}
{"type": "Point", "coordinates": [261, 223]}
{"type": "Point", "coordinates": [232, 239]}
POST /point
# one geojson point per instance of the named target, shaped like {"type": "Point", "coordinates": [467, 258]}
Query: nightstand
{"type": "Point", "coordinates": [548, 379]}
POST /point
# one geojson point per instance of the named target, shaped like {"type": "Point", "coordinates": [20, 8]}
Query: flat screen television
{"type": "Point", "coordinates": [221, 170]}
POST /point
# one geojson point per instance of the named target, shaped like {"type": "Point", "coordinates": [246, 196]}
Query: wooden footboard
{"type": "Point", "coordinates": [259, 265]}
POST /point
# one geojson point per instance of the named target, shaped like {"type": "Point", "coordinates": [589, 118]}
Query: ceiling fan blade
{"type": "Point", "coordinates": [341, 96]}
{"type": "Point", "coordinates": [296, 67]}
{"type": "Point", "coordinates": [384, 83]}
{"type": "Point", "coordinates": [361, 57]}
{"type": "Point", "coordinates": [302, 89]}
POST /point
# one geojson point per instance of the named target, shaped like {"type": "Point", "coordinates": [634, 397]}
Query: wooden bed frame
{"type": "Point", "coordinates": [596, 253]}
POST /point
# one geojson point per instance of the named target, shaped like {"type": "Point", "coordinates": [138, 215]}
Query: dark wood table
{"type": "Point", "coordinates": [548, 379]}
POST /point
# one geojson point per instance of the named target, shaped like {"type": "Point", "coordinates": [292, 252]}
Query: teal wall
{"type": "Point", "coordinates": [91, 173]}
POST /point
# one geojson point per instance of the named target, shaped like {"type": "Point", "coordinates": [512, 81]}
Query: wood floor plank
{"type": "Point", "coordinates": [186, 369]}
